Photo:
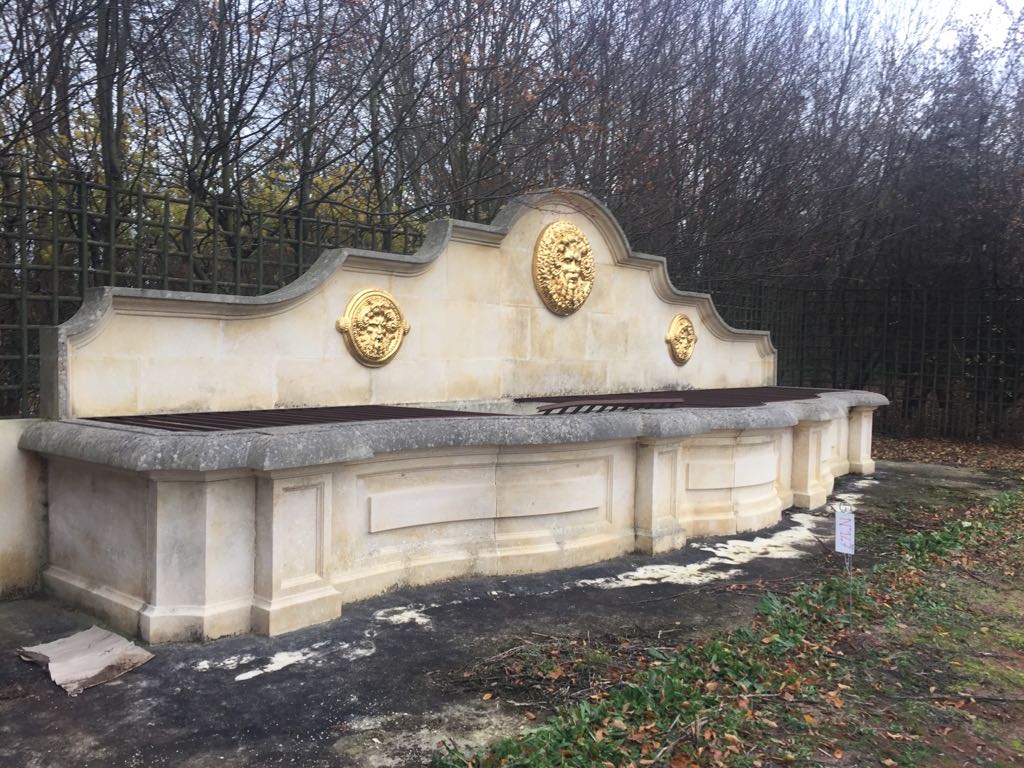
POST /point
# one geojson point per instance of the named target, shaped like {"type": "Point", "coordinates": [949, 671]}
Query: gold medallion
{"type": "Point", "coordinates": [563, 267]}
{"type": "Point", "coordinates": [373, 327]}
{"type": "Point", "coordinates": [681, 339]}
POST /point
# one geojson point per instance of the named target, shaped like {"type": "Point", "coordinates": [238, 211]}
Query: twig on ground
{"type": "Point", "coordinates": [962, 696]}
{"type": "Point", "coordinates": [976, 577]}
{"type": "Point", "coordinates": [760, 584]}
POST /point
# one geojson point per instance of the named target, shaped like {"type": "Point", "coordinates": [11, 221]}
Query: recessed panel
{"type": "Point", "coordinates": [299, 533]}
{"type": "Point", "coordinates": [704, 475]}
{"type": "Point", "coordinates": [430, 505]}
{"type": "Point", "coordinates": [551, 488]}
{"type": "Point", "coordinates": [755, 463]}
{"type": "Point", "coordinates": [551, 498]}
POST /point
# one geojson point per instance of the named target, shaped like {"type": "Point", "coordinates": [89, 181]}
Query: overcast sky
{"type": "Point", "coordinates": [991, 13]}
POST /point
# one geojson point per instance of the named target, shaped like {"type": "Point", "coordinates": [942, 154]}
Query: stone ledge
{"type": "Point", "coordinates": [147, 450]}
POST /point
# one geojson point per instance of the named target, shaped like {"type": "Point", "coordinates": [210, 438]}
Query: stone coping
{"type": "Point", "coordinates": [139, 449]}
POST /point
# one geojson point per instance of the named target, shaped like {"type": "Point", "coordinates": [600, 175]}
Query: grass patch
{"type": "Point", "coordinates": [917, 661]}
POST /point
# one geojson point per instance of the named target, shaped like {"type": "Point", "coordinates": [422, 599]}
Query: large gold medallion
{"type": "Point", "coordinates": [373, 327]}
{"type": "Point", "coordinates": [681, 339]}
{"type": "Point", "coordinates": [563, 267]}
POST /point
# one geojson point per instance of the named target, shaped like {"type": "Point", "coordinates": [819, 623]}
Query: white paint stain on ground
{"type": "Point", "coordinates": [314, 654]}
{"type": "Point", "coordinates": [853, 499]}
{"type": "Point", "coordinates": [231, 662]}
{"type": "Point", "coordinates": [645, 575]}
{"type": "Point", "coordinates": [790, 543]}
{"type": "Point", "coordinates": [360, 651]}
{"type": "Point", "coordinates": [278, 661]}
{"type": "Point", "coordinates": [400, 739]}
{"type": "Point", "coordinates": [405, 614]}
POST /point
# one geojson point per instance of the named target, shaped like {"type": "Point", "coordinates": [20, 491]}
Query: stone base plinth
{"type": "Point", "coordinates": [244, 544]}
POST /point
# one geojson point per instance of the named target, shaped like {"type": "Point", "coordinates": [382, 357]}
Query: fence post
{"type": "Point", "coordinates": [259, 253]}
{"type": "Point", "coordinates": [112, 212]}
{"type": "Point", "coordinates": [803, 334]}
{"type": "Point", "coordinates": [237, 249]}
{"type": "Point", "coordinates": [55, 253]}
{"type": "Point", "coordinates": [190, 241]}
{"type": "Point", "coordinates": [165, 238]}
{"type": "Point", "coordinates": [83, 236]}
{"type": "Point", "coordinates": [140, 251]}
{"type": "Point", "coordinates": [23, 268]}
{"type": "Point", "coordinates": [215, 227]}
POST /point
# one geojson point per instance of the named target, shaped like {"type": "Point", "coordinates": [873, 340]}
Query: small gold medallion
{"type": "Point", "coordinates": [373, 327]}
{"type": "Point", "coordinates": [563, 267]}
{"type": "Point", "coordinates": [681, 339]}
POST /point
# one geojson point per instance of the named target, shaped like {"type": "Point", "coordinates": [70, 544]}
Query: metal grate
{"type": "Point", "coordinates": [222, 421]}
{"type": "Point", "coordinates": [738, 397]}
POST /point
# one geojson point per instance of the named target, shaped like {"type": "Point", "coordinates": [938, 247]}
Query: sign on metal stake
{"type": "Point", "coordinates": [846, 530]}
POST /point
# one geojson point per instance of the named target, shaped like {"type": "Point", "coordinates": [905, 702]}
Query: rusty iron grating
{"type": "Point", "coordinates": [221, 421]}
{"type": "Point", "coordinates": [739, 397]}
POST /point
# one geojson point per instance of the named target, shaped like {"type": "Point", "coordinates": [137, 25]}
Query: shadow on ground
{"type": "Point", "coordinates": [383, 685]}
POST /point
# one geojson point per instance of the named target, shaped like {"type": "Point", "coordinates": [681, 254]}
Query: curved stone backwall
{"type": "Point", "coordinates": [479, 330]}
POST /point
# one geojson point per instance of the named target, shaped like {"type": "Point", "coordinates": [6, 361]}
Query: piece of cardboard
{"type": "Point", "coordinates": [86, 658]}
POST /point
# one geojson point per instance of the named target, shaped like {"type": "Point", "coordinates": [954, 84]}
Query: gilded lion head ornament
{"type": "Point", "coordinates": [373, 327]}
{"type": "Point", "coordinates": [563, 267]}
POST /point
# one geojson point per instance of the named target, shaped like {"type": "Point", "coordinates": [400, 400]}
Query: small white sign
{"type": "Point", "coordinates": [845, 531]}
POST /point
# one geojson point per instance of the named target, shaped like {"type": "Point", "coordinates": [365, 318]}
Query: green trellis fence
{"type": "Point", "coordinates": [60, 236]}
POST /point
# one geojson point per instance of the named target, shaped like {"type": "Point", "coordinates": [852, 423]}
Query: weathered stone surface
{"type": "Point", "coordinates": [22, 512]}
{"type": "Point", "coordinates": [140, 449]}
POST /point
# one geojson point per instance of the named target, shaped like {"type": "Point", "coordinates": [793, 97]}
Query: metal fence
{"type": "Point", "coordinates": [951, 362]}
{"type": "Point", "coordinates": [60, 236]}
